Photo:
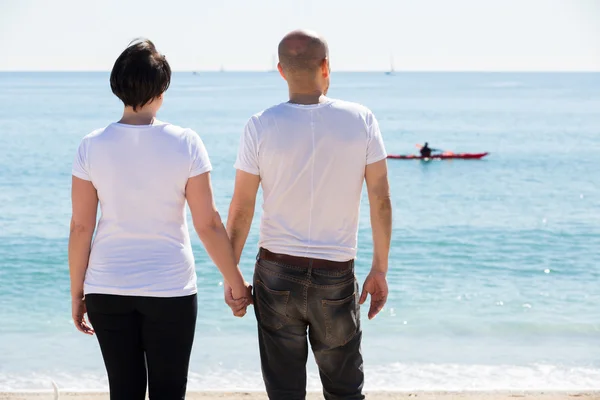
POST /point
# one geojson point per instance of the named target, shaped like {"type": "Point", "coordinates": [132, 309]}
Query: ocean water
{"type": "Point", "coordinates": [494, 267]}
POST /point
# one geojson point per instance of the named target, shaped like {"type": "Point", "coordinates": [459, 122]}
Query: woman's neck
{"type": "Point", "coordinates": [139, 117]}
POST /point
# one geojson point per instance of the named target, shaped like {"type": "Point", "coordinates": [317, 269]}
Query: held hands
{"type": "Point", "coordinates": [78, 311]}
{"type": "Point", "coordinates": [238, 299]}
{"type": "Point", "coordinates": [376, 286]}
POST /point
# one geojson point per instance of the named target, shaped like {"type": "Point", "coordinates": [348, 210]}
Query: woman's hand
{"type": "Point", "coordinates": [78, 311]}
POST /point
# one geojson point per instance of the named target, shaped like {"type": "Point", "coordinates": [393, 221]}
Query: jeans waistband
{"type": "Point", "coordinates": [307, 262]}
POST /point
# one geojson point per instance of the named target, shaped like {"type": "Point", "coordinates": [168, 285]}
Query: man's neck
{"type": "Point", "coordinates": [311, 97]}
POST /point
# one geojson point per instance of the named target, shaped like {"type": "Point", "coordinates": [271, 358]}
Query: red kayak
{"type": "Point", "coordinates": [443, 156]}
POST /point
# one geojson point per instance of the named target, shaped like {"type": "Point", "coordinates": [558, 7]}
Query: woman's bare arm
{"type": "Point", "coordinates": [83, 223]}
{"type": "Point", "coordinates": [212, 233]}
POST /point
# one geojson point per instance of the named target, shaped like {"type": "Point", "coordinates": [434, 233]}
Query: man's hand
{"type": "Point", "coordinates": [376, 286]}
{"type": "Point", "coordinates": [238, 305]}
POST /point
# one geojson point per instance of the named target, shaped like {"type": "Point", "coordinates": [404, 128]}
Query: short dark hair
{"type": "Point", "coordinates": [140, 74]}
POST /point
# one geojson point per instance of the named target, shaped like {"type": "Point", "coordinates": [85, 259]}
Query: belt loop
{"type": "Point", "coordinates": [310, 266]}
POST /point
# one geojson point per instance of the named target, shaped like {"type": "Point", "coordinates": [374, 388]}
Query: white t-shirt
{"type": "Point", "coordinates": [311, 160]}
{"type": "Point", "coordinates": [142, 245]}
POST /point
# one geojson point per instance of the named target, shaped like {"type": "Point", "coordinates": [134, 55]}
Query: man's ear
{"type": "Point", "coordinates": [280, 69]}
{"type": "Point", "coordinates": [325, 68]}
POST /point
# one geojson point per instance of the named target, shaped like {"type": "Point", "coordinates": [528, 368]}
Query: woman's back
{"type": "Point", "coordinates": [142, 246]}
{"type": "Point", "coordinates": [138, 282]}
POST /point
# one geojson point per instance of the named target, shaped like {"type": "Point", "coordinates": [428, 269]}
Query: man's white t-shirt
{"type": "Point", "coordinates": [311, 160]}
{"type": "Point", "coordinates": [142, 245]}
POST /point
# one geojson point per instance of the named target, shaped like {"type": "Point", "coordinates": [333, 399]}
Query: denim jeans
{"type": "Point", "coordinates": [293, 302]}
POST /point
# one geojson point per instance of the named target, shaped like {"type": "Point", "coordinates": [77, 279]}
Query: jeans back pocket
{"type": "Point", "coordinates": [271, 306]}
{"type": "Point", "coordinates": [341, 320]}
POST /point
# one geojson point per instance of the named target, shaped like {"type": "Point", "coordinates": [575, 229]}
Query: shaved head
{"type": "Point", "coordinates": [302, 51]}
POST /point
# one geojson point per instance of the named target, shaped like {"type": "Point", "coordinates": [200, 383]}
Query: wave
{"type": "Point", "coordinates": [391, 377]}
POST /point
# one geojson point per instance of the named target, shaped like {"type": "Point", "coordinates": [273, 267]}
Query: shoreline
{"type": "Point", "coordinates": [376, 395]}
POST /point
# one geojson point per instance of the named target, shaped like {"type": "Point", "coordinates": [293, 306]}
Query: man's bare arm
{"type": "Point", "coordinates": [241, 210]}
{"type": "Point", "coordinates": [380, 203]}
{"type": "Point", "coordinates": [381, 224]}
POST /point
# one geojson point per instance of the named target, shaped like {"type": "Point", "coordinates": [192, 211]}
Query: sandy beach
{"type": "Point", "coordinates": [574, 395]}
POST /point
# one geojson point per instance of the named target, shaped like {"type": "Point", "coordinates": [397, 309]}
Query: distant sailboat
{"type": "Point", "coordinates": [391, 71]}
{"type": "Point", "coordinates": [274, 64]}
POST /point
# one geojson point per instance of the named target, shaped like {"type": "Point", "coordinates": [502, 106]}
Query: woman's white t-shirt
{"type": "Point", "coordinates": [142, 245]}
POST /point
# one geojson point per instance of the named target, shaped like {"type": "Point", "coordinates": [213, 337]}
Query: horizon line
{"type": "Point", "coordinates": [395, 72]}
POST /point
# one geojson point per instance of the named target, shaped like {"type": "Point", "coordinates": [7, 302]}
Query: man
{"type": "Point", "coordinates": [426, 151]}
{"type": "Point", "coordinates": [311, 155]}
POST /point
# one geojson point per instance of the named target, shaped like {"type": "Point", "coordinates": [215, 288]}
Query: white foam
{"type": "Point", "coordinates": [392, 377]}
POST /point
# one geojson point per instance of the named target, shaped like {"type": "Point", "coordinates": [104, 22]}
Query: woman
{"type": "Point", "coordinates": [137, 279]}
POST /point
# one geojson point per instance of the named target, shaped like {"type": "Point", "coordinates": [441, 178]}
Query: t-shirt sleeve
{"type": "Point", "coordinates": [247, 158]}
{"type": "Point", "coordinates": [80, 163]}
{"type": "Point", "coordinates": [200, 161]}
{"type": "Point", "coordinates": [375, 147]}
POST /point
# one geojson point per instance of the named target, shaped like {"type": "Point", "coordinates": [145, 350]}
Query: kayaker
{"type": "Point", "coordinates": [426, 150]}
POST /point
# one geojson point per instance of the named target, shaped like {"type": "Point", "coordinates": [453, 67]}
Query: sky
{"type": "Point", "coordinates": [417, 35]}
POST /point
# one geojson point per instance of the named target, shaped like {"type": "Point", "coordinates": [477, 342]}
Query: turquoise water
{"type": "Point", "coordinates": [495, 264]}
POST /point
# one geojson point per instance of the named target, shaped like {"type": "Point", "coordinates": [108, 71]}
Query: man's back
{"type": "Point", "coordinates": [311, 156]}
{"type": "Point", "coordinates": [311, 160]}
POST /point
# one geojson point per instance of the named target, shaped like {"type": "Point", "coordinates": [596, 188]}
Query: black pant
{"type": "Point", "coordinates": [289, 300]}
{"type": "Point", "coordinates": [144, 340]}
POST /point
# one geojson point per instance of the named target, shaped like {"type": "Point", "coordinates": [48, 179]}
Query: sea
{"type": "Point", "coordinates": [494, 266]}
